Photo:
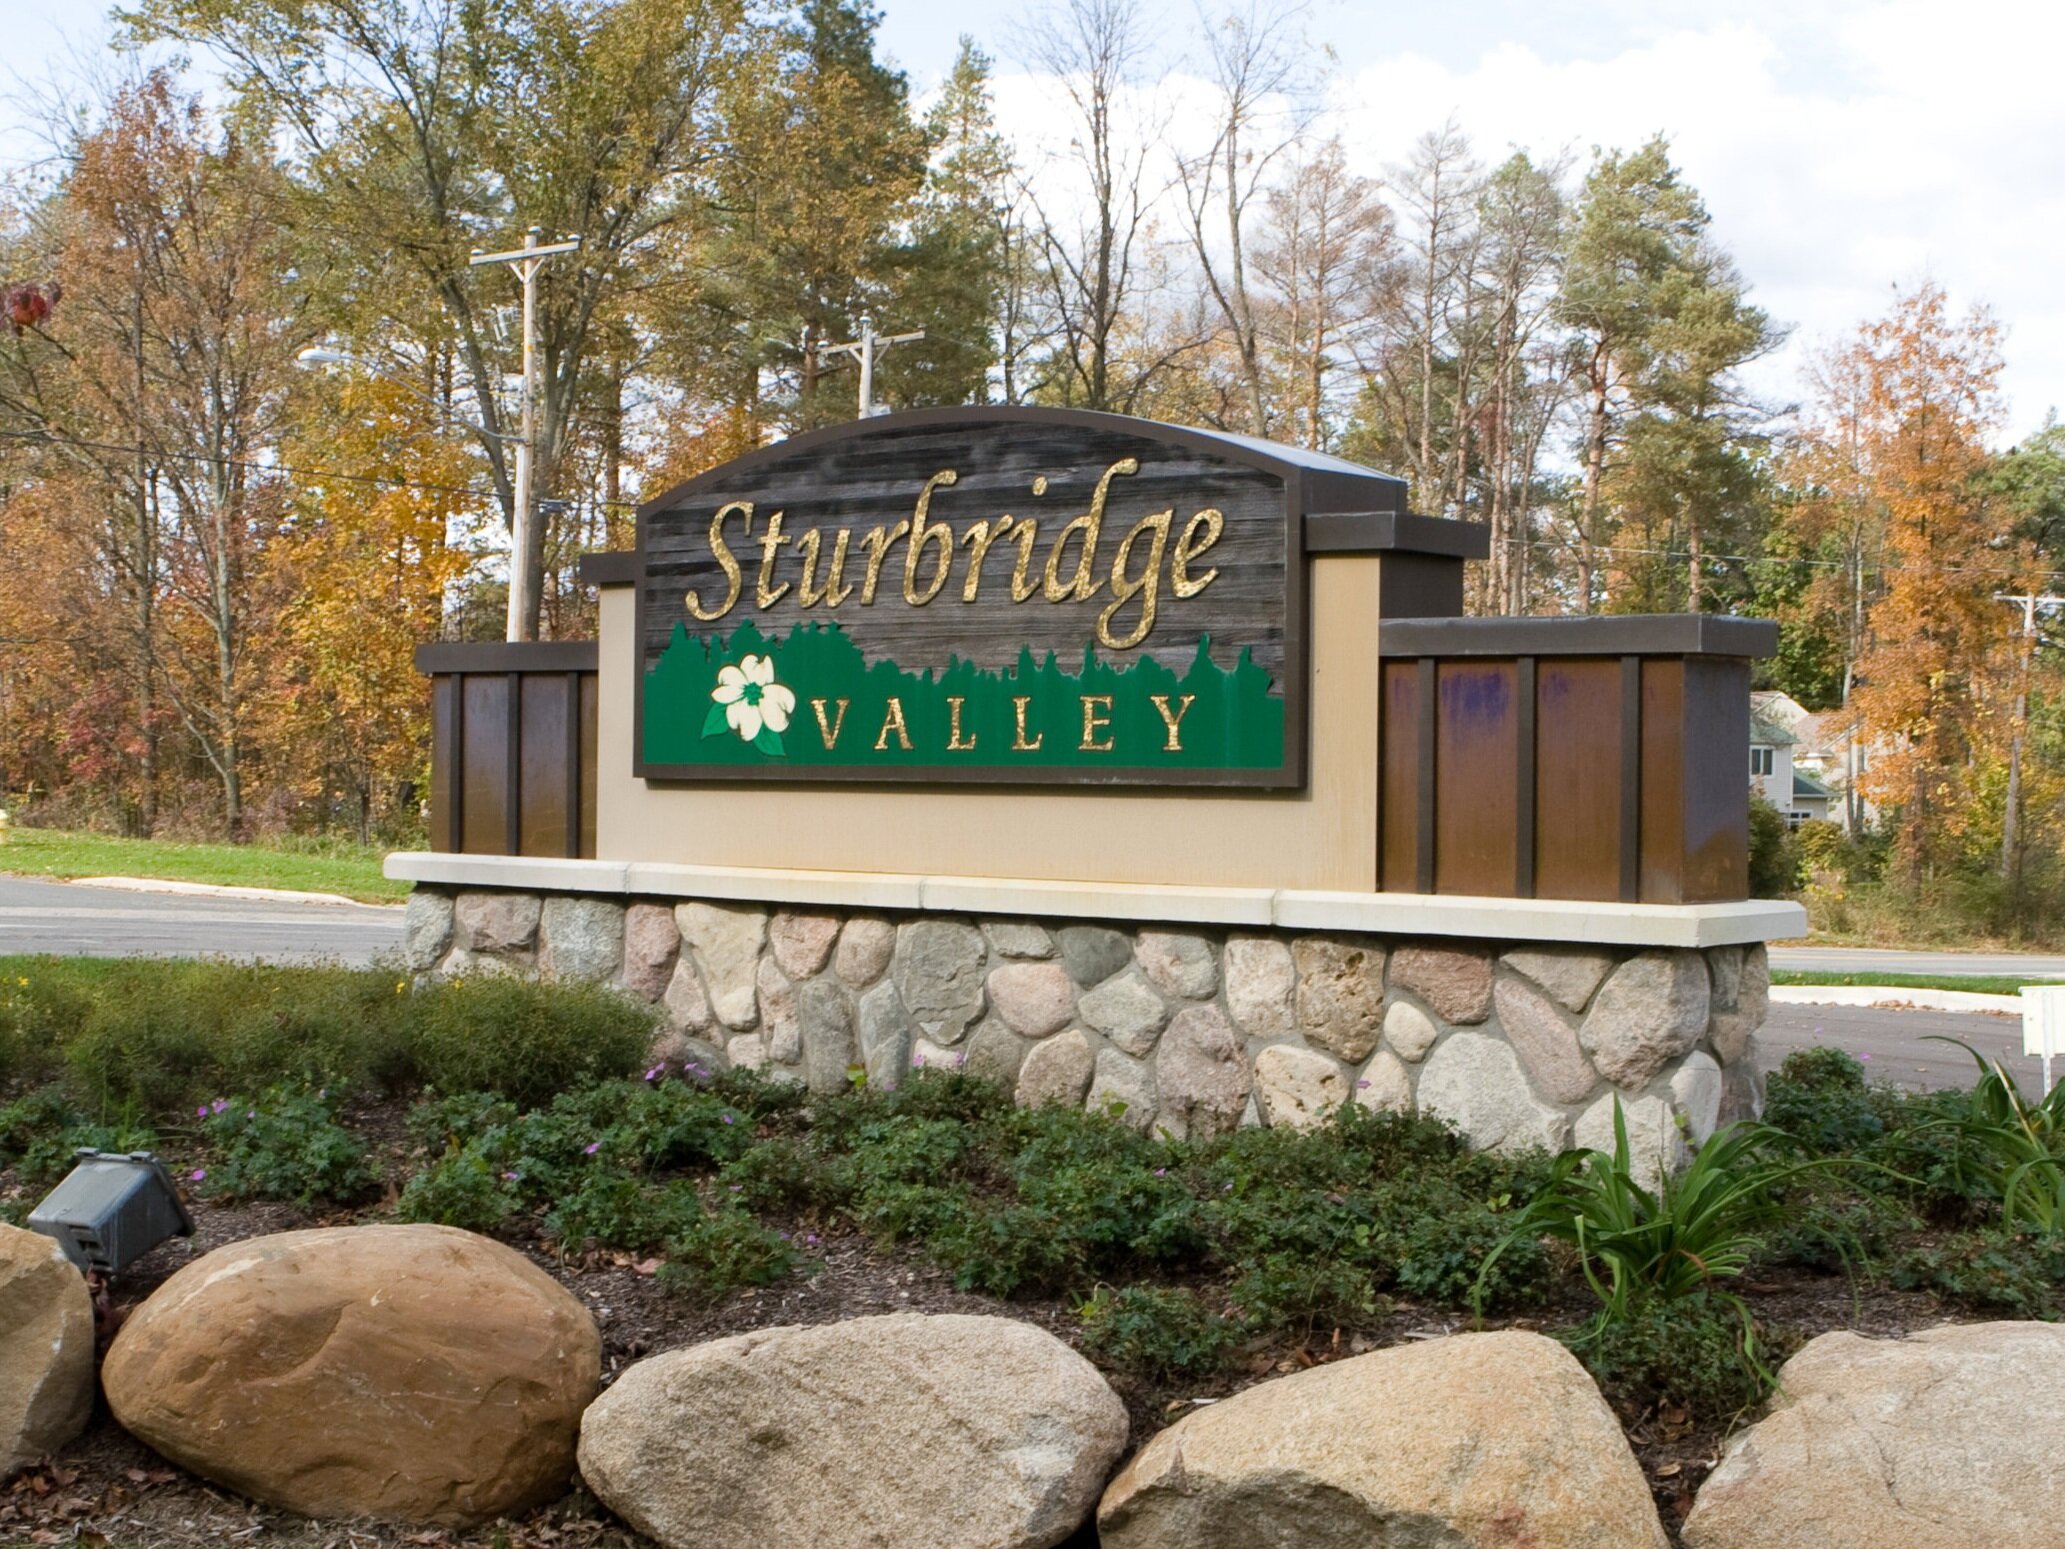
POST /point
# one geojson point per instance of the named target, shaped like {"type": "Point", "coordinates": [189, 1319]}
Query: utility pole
{"type": "Point", "coordinates": [863, 350]}
{"type": "Point", "coordinates": [526, 261]}
{"type": "Point", "coordinates": [2010, 860]}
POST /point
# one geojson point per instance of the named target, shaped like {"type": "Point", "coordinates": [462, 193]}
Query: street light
{"type": "Point", "coordinates": [526, 261]}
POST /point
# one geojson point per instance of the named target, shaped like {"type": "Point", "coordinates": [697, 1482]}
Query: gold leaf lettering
{"type": "Point", "coordinates": [1018, 742]}
{"type": "Point", "coordinates": [1094, 723]}
{"type": "Point", "coordinates": [725, 561]}
{"type": "Point", "coordinates": [1173, 722]}
{"type": "Point", "coordinates": [892, 720]}
{"type": "Point", "coordinates": [1189, 546]}
{"type": "Point", "coordinates": [829, 730]}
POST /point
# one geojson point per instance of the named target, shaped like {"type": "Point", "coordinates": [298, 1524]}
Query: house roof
{"type": "Point", "coordinates": [1805, 785]}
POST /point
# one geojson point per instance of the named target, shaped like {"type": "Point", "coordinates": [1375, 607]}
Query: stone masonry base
{"type": "Point", "coordinates": [1191, 1032]}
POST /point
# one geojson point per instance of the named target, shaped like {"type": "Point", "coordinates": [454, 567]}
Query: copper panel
{"type": "Point", "coordinates": [444, 727]}
{"type": "Point", "coordinates": [546, 779]}
{"type": "Point", "coordinates": [1477, 728]}
{"type": "Point", "coordinates": [590, 697]}
{"type": "Point", "coordinates": [1717, 803]}
{"type": "Point", "coordinates": [1399, 779]}
{"type": "Point", "coordinates": [1663, 782]}
{"type": "Point", "coordinates": [1577, 779]}
{"type": "Point", "coordinates": [484, 760]}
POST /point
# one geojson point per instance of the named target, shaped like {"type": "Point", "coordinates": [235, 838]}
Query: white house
{"type": "Point", "coordinates": [1785, 769]}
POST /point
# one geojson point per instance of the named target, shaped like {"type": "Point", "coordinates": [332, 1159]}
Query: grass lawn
{"type": "Point", "coordinates": [331, 868]}
{"type": "Point", "coordinates": [1977, 984]}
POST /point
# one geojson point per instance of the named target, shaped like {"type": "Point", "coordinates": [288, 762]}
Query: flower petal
{"type": "Point", "coordinates": [727, 693]}
{"type": "Point", "coordinates": [779, 694]}
{"type": "Point", "coordinates": [759, 668]}
{"type": "Point", "coordinates": [744, 718]}
{"type": "Point", "coordinates": [731, 677]}
{"type": "Point", "coordinates": [775, 713]}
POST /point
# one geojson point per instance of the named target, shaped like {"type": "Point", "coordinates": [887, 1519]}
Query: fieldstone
{"type": "Point", "coordinates": [1127, 1011]}
{"type": "Point", "coordinates": [748, 1051]}
{"type": "Point", "coordinates": [496, 922]}
{"type": "Point", "coordinates": [652, 945]}
{"type": "Point", "coordinates": [1656, 1144]}
{"type": "Point", "coordinates": [1260, 982]}
{"type": "Point", "coordinates": [865, 946]}
{"type": "Point", "coordinates": [1477, 1441]}
{"type": "Point", "coordinates": [938, 972]}
{"type": "Point", "coordinates": [927, 1055]}
{"type": "Point", "coordinates": [694, 1056]}
{"type": "Point", "coordinates": [802, 943]}
{"type": "Point", "coordinates": [463, 963]}
{"type": "Point", "coordinates": [827, 1035]}
{"type": "Point", "coordinates": [1385, 1085]}
{"type": "Point", "coordinates": [1454, 981]}
{"type": "Point", "coordinates": [1724, 969]}
{"type": "Point", "coordinates": [774, 1439]}
{"type": "Point", "coordinates": [1057, 1070]}
{"type": "Point", "coordinates": [1732, 1030]}
{"type": "Point", "coordinates": [1033, 998]}
{"type": "Point", "coordinates": [1545, 1041]}
{"type": "Point", "coordinates": [1946, 1439]}
{"type": "Point", "coordinates": [995, 1053]}
{"type": "Point", "coordinates": [1408, 1031]}
{"type": "Point", "coordinates": [1123, 1088]}
{"type": "Point", "coordinates": [687, 1002]}
{"type": "Point", "coordinates": [776, 998]}
{"type": "Point", "coordinates": [1742, 1090]}
{"type": "Point", "coordinates": [1475, 1082]}
{"type": "Point", "coordinates": [727, 942]}
{"type": "Point", "coordinates": [1569, 974]}
{"type": "Point", "coordinates": [885, 1037]}
{"type": "Point", "coordinates": [414, 1373]}
{"type": "Point", "coordinates": [1340, 994]}
{"type": "Point", "coordinates": [1093, 953]}
{"type": "Point", "coordinates": [426, 929]}
{"type": "Point", "coordinates": [1651, 1011]}
{"type": "Point", "coordinates": [1696, 1091]}
{"type": "Point", "coordinates": [1018, 938]}
{"type": "Point", "coordinates": [1201, 1072]}
{"type": "Point", "coordinates": [46, 1349]}
{"type": "Point", "coordinates": [583, 937]}
{"type": "Point", "coordinates": [1298, 1087]}
{"type": "Point", "coordinates": [1179, 965]}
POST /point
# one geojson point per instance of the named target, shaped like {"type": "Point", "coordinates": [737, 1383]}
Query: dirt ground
{"type": "Point", "coordinates": [108, 1489]}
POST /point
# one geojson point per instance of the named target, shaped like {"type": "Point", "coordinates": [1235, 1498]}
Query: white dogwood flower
{"type": "Point", "coordinates": [752, 699]}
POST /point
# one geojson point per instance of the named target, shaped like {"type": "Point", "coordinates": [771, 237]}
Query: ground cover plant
{"type": "Point", "coordinates": [685, 1201]}
{"type": "Point", "coordinates": [1974, 984]}
{"type": "Point", "coordinates": [304, 865]}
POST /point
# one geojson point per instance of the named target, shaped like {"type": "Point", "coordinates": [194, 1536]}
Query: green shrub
{"type": "Point", "coordinates": [1157, 1332]}
{"type": "Point", "coordinates": [1697, 1352]}
{"type": "Point", "coordinates": [1446, 1258]}
{"type": "Point", "coordinates": [725, 1250]}
{"type": "Point", "coordinates": [1818, 1097]}
{"type": "Point", "coordinates": [462, 1188]}
{"type": "Point", "coordinates": [1988, 1271]}
{"type": "Point", "coordinates": [284, 1144]}
{"type": "Point", "coordinates": [522, 1041]}
{"type": "Point", "coordinates": [1285, 1295]}
{"type": "Point", "coordinates": [617, 1210]}
{"type": "Point", "coordinates": [41, 1130]}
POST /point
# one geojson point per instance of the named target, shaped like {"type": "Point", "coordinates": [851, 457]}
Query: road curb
{"type": "Point", "coordinates": [1887, 997]}
{"type": "Point", "coordinates": [271, 895]}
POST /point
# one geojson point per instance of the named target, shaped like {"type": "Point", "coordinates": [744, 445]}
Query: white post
{"type": "Point", "coordinates": [863, 350]}
{"type": "Point", "coordinates": [526, 261]}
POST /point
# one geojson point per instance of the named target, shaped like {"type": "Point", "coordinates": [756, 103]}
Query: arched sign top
{"type": "Point", "coordinates": [988, 594]}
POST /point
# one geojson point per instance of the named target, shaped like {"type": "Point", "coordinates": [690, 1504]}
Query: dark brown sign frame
{"type": "Point", "coordinates": [1352, 500]}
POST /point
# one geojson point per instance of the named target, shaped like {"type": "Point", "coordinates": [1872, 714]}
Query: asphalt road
{"type": "Point", "coordinates": [69, 920]}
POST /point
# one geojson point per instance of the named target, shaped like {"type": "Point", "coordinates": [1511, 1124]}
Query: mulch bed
{"type": "Point", "coordinates": [109, 1489]}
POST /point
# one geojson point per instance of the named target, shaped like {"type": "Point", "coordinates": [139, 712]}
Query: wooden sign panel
{"type": "Point", "coordinates": [978, 594]}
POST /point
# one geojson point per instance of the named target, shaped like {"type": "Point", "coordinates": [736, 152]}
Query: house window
{"type": "Point", "coordinates": [1760, 761]}
{"type": "Point", "coordinates": [1795, 818]}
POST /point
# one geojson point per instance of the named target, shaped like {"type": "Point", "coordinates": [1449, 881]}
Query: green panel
{"type": "Point", "coordinates": [1232, 719]}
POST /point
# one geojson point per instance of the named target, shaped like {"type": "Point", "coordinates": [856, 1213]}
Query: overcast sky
{"type": "Point", "coordinates": [1843, 147]}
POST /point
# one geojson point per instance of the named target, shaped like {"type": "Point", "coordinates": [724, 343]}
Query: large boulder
{"type": "Point", "coordinates": [1480, 1441]}
{"type": "Point", "coordinates": [879, 1433]}
{"type": "Point", "coordinates": [413, 1373]}
{"type": "Point", "coordinates": [46, 1349]}
{"type": "Point", "coordinates": [1945, 1440]}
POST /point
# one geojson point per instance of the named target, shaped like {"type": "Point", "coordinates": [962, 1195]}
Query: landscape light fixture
{"type": "Point", "coordinates": [112, 1209]}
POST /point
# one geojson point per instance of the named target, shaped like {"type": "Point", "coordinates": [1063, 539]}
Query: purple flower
{"type": "Point", "coordinates": [591, 1148]}
{"type": "Point", "coordinates": [511, 1177]}
{"type": "Point", "coordinates": [736, 1188]}
{"type": "Point", "coordinates": [1161, 1172]}
{"type": "Point", "coordinates": [1864, 1056]}
{"type": "Point", "coordinates": [201, 1112]}
{"type": "Point", "coordinates": [219, 1105]}
{"type": "Point", "coordinates": [728, 1119]}
{"type": "Point", "coordinates": [654, 1073]}
{"type": "Point", "coordinates": [197, 1174]}
{"type": "Point", "coordinates": [1362, 1083]}
{"type": "Point", "coordinates": [811, 1238]}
